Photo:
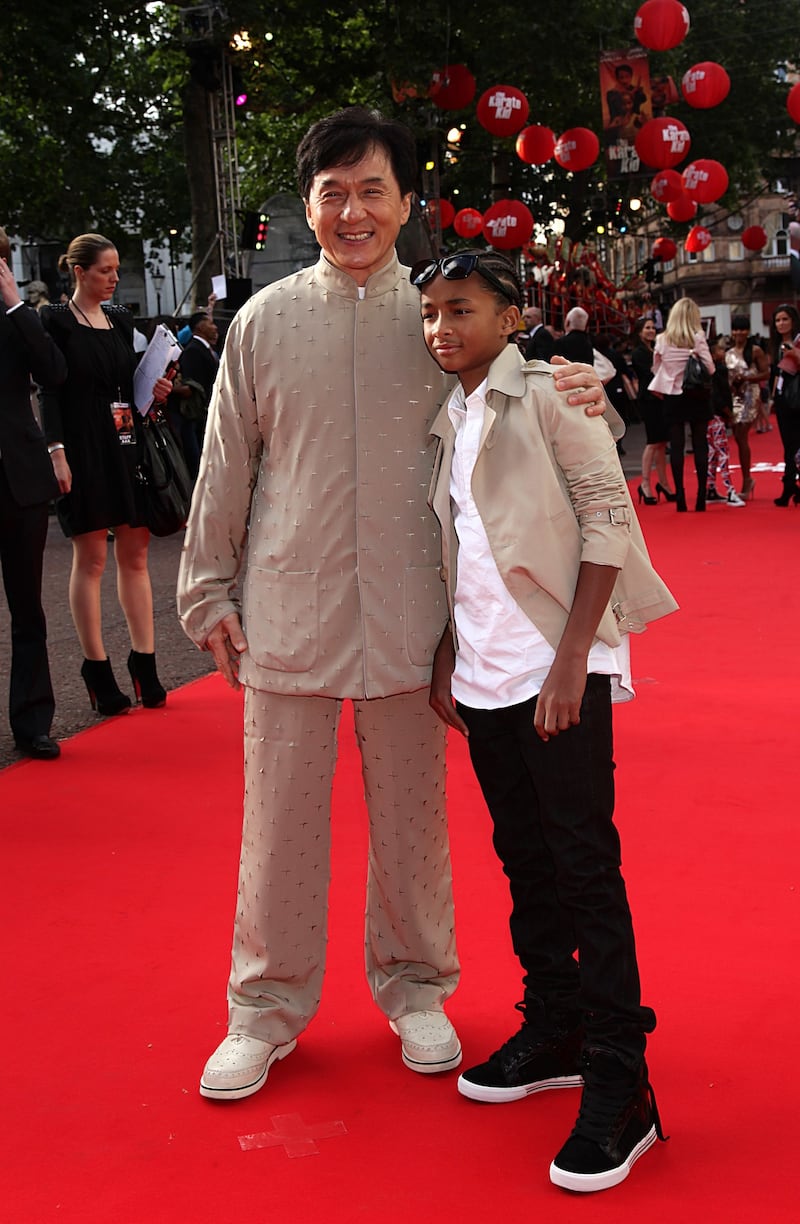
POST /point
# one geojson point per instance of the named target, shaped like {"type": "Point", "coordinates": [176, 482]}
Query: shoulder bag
{"type": "Point", "coordinates": [164, 487]}
{"type": "Point", "coordinates": [696, 378]}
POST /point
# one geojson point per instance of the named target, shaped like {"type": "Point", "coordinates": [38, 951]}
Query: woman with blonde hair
{"type": "Point", "coordinates": [94, 434]}
{"type": "Point", "coordinates": [682, 337]}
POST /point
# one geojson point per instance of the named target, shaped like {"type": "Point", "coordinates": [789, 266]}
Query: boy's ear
{"type": "Point", "coordinates": [511, 318]}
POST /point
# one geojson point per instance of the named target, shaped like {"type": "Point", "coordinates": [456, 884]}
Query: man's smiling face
{"type": "Point", "coordinates": [356, 213]}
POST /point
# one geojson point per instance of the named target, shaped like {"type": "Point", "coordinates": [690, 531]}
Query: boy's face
{"type": "Point", "coordinates": [466, 325]}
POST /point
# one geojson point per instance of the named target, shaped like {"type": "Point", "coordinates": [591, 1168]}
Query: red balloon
{"type": "Point", "coordinates": [754, 238]}
{"type": "Point", "coordinates": [468, 222]}
{"type": "Point", "coordinates": [682, 209]}
{"type": "Point", "coordinates": [445, 210]}
{"type": "Point", "coordinates": [705, 180]}
{"type": "Point", "coordinates": [453, 87]}
{"type": "Point", "coordinates": [508, 224]}
{"type": "Point", "coordinates": [793, 102]}
{"type": "Point", "coordinates": [661, 24]}
{"type": "Point", "coordinates": [664, 249]}
{"type": "Point", "coordinates": [666, 186]}
{"type": "Point", "coordinates": [662, 143]}
{"type": "Point", "coordinates": [502, 110]}
{"type": "Point", "coordinates": [705, 85]}
{"type": "Point", "coordinates": [698, 238]}
{"type": "Point", "coordinates": [577, 148]}
{"type": "Point", "coordinates": [535, 144]}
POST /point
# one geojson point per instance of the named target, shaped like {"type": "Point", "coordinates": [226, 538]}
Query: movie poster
{"type": "Point", "coordinates": [626, 99]}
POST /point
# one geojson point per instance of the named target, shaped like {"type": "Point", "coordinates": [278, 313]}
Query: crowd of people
{"type": "Point", "coordinates": [750, 383]}
{"type": "Point", "coordinates": [345, 474]}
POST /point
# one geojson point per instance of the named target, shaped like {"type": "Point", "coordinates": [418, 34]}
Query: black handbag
{"type": "Point", "coordinates": [164, 486]}
{"type": "Point", "coordinates": [696, 378]}
{"type": "Point", "coordinates": [790, 392]}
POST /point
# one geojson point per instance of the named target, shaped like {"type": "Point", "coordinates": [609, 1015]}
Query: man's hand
{"type": "Point", "coordinates": [583, 383]}
{"type": "Point", "coordinates": [227, 642]}
{"type": "Point", "coordinates": [8, 286]}
{"type": "Point", "coordinates": [441, 700]}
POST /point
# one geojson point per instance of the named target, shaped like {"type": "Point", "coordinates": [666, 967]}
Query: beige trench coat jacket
{"type": "Point", "coordinates": [314, 481]}
{"type": "Point", "coordinates": [551, 493]}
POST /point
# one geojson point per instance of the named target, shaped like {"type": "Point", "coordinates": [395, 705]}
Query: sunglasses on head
{"type": "Point", "coordinates": [458, 267]}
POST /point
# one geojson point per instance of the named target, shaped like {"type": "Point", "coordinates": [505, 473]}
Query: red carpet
{"type": "Point", "coordinates": [119, 885]}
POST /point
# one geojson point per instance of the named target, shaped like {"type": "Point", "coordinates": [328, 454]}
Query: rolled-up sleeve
{"type": "Point", "coordinates": [216, 533]}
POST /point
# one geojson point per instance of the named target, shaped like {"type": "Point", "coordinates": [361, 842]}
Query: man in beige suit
{"type": "Point", "coordinates": [318, 458]}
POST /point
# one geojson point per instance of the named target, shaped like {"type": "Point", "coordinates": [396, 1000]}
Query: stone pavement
{"type": "Point", "coordinates": [179, 661]}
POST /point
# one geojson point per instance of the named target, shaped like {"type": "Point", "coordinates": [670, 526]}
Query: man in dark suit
{"type": "Point", "coordinates": [540, 344]}
{"type": "Point", "coordinates": [188, 403]}
{"type": "Point", "coordinates": [27, 485]}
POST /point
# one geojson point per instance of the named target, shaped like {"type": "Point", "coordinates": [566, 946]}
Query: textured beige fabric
{"type": "Point", "coordinates": [318, 459]}
{"type": "Point", "coordinates": [281, 917]}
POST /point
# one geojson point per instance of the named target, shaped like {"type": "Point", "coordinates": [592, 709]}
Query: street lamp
{"type": "Point", "coordinates": [157, 277]}
{"type": "Point", "coordinates": [173, 233]}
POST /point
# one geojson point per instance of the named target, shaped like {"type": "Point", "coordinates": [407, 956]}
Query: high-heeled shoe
{"type": "Point", "coordinates": [149, 689]}
{"type": "Point", "coordinates": [788, 495]}
{"type": "Point", "coordinates": [665, 493]}
{"type": "Point", "coordinates": [105, 695]}
{"type": "Point", "coordinates": [680, 502]}
{"type": "Point", "coordinates": [748, 490]}
{"type": "Point", "coordinates": [700, 503]}
{"type": "Point", "coordinates": [642, 497]}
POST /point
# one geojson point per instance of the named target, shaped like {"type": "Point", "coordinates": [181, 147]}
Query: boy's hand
{"type": "Point", "coordinates": [558, 706]}
{"type": "Point", "coordinates": [441, 699]}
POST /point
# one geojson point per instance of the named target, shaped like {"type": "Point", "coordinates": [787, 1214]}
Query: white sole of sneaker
{"type": "Point", "coordinates": [246, 1090]}
{"type": "Point", "coordinates": [427, 1068]}
{"type": "Point", "coordinates": [499, 1096]}
{"type": "Point", "coordinates": [585, 1183]}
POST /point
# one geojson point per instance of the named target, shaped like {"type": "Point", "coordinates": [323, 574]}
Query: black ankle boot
{"type": "Point", "coordinates": [104, 693]}
{"type": "Point", "coordinates": [700, 504]}
{"type": "Point", "coordinates": [149, 689]}
{"type": "Point", "coordinates": [680, 501]}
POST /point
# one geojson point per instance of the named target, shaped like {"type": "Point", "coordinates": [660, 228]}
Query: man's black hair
{"type": "Point", "coordinates": [343, 138]}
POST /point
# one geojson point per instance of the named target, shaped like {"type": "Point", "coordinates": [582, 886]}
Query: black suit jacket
{"type": "Point", "coordinates": [199, 364]}
{"type": "Point", "coordinates": [26, 351]}
{"type": "Point", "coordinates": [575, 346]}
{"type": "Point", "coordinates": [540, 346]}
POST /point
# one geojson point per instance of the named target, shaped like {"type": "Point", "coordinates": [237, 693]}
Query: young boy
{"type": "Point", "coordinates": [547, 574]}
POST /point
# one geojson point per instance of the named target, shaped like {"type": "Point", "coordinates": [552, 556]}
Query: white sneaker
{"type": "Point", "coordinates": [429, 1041]}
{"type": "Point", "coordinates": [238, 1067]}
{"type": "Point", "coordinates": [733, 499]}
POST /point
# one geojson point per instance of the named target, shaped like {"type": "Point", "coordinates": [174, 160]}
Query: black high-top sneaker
{"type": "Point", "coordinates": [536, 1058]}
{"type": "Point", "coordinates": [617, 1123]}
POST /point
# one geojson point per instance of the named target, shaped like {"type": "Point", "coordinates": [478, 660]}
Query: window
{"type": "Point", "coordinates": [780, 243]}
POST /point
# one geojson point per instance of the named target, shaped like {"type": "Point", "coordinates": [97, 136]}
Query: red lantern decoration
{"type": "Point", "coordinates": [662, 143]}
{"type": "Point", "coordinates": [793, 102]}
{"type": "Point", "coordinates": [682, 209]}
{"type": "Point", "coordinates": [508, 224]}
{"type": "Point", "coordinates": [754, 238]}
{"type": "Point", "coordinates": [535, 144]}
{"type": "Point", "coordinates": [666, 186]}
{"type": "Point", "coordinates": [577, 149]}
{"type": "Point", "coordinates": [697, 239]}
{"type": "Point", "coordinates": [502, 110]}
{"type": "Point", "coordinates": [705, 180]}
{"type": "Point", "coordinates": [468, 222]}
{"type": "Point", "coordinates": [453, 87]}
{"type": "Point", "coordinates": [705, 85]}
{"type": "Point", "coordinates": [664, 249]}
{"type": "Point", "coordinates": [445, 211]}
{"type": "Point", "coordinates": [661, 24]}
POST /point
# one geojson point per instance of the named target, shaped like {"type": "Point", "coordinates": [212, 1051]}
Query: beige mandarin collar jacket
{"type": "Point", "coordinates": [314, 482]}
{"type": "Point", "coordinates": [551, 493]}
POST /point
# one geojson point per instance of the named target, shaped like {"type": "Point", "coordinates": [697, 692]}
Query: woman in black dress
{"type": "Point", "coordinates": [784, 352]}
{"type": "Point", "coordinates": [651, 410]}
{"type": "Point", "coordinates": [94, 438]}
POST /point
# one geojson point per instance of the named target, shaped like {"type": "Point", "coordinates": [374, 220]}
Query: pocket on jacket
{"type": "Point", "coordinates": [281, 618]}
{"type": "Point", "coordinates": [425, 612]}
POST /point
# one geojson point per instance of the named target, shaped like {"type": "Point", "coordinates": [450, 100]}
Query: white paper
{"type": "Point", "coordinates": [162, 349]}
{"type": "Point", "coordinates": [219, 287]}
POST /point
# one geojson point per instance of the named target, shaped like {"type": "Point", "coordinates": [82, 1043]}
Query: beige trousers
{"type": "Point", "coordinates": [280, 932]}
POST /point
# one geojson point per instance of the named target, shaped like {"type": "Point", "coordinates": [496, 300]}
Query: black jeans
{"type": "Point", "coordinates": [553, 810]}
